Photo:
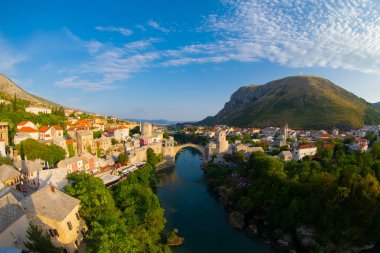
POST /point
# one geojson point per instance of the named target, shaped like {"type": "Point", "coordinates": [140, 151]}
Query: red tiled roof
{"type": "Point", "coordinates": [305, 146]}
{"type": "Point", "coordinates": [57, 127]}
{"type": "Point", "coordinates": [69, 141]}
{"type": "Point", "coordinates": [22, 123]}
{"type": "Point", "coordinates": [27, 130]}
{"type": "Point", "coordinates": [1, 139]}
{"type": "Point", "coordinates": [43, 129]}
{"type": "Point", "coordinates": [122, 127]}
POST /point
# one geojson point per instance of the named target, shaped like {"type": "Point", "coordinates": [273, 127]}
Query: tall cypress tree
{"type": "Point", "coordinates": [14, 103]}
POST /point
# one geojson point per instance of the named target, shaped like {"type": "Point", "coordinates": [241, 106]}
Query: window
{"type": "Point", "coordinates": [51, 233]}
{"type": "Point", "coordinates": [77, 215]}
{"type": "Point", "coordinates": [70, 225]}
{"type": "Point", "coordinates": [56, 232]}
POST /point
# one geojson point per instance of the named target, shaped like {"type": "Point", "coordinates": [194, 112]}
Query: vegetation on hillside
{"type": "Point", "coordinates": [39, 241]}
{"type": "Point", "coordinates": [337, 195]}
{"type": "Point", "coordinates": [305, 102]}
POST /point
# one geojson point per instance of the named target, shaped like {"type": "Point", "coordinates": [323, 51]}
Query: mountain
{"type": "Point", "coordinates": [304, 102]}
{"type": "Point", "coordinates": [377, 105]}
{"type": "Point", "coordinates": [8, 89]}
{"type": "Point", "coordinates": [155, 121]}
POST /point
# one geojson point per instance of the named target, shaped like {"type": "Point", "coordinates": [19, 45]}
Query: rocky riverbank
{"type": "Point", "coordinates": [303, 239]}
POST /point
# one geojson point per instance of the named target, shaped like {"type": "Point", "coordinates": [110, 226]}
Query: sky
{"type": "Point", "coordinates": [182, 59]}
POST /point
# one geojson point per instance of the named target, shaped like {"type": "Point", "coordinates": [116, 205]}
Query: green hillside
{"type": "Point", "coordinates": [377, 105]}
{"type": "Point", "coordinates": [305, 102]}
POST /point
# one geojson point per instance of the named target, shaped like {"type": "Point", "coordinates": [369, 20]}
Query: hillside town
{"type": "Point", "coordinates": [32, 189]}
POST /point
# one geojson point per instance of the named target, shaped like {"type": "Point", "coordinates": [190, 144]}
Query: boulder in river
{"type": "Point", "coordinates": [236, 220]}
{"type": "Point", "coordinates": [306, 238]}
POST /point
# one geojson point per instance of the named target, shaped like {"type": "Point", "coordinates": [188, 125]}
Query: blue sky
{"type": "Point", "coordinates": [181, 60]}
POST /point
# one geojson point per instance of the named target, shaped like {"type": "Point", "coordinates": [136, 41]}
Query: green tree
{"type": "Point", "coordinates": [123, 158]}
{"type": "Point", "coordinates": [97, 134]}
{"type": "Point", "coordinates": [39, 241]}
{"type": "Point", "coordinates": [152, 158]}
{"type": "Point", "coordinates": [70, 149]}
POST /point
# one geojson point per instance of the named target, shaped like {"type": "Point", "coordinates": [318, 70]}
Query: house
{"type": "Point", "coordinates": [45, 133]}
{"type": "Point", "coordinates": [30, 169]}
{"type": "Point", "coordinates": [88, 162]}
{"type": "Point", "coordinates": [38, 110]}
{"type": "Point", "coordinates": [13, 221]}
{"type": "Point", "coordinates": [26, 124]}
{"type": "Point", "coordinates": [71, 164]}
{"type": "Point", "coordinates": [9, 175]}
{"type": "Point", "coordinates": [34, 134]}
{"type": "Point", "coordinates": [121, 133]}
{"type": "Point", "coordinates": [301, 151]}
{"type": "Point", "coordinates": [103, 143]}
{"type": "Point", "coordinates": [2, 147]}
{"type": "Point", "coordinates": [286, 155]}
{"type": "Point", "coordinates": [58, 214]}
{"type": "Point", "coordinates": [270, 131]}
{"type": "Point", "coordinates": [359, 144]}
{"type": "Point", "coordinates": [4, 132]}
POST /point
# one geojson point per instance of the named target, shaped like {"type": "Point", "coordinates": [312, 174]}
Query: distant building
{"type": "Point", "coordinates": [359, 144]}
{"type": "Point", "coordinates": [286, 155]}
{"type": "Point", "coordinates": [335, 131]}
{"type": "Point", "coordinates": [58, 214]}
{"type": "Point", "coordinates": [4, 132]}
{"type": "Point", "coordinates": [38, 110]}
{"type": "Point", "coordinates": [301, 151]}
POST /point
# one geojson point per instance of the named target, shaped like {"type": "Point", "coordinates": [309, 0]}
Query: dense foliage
{"type": "Point", "coordinates": [127, 218]}
{"type": "Point", "coordinates": [338, 195]}
{"type": "Point", "coordinates": [31, 149]}
{"type": "Point", "coordinates": [152, 158]}
{"type": "Point", "coordinates": [39, 241]}
{"type": "Point", "coordinates": [183, 138]}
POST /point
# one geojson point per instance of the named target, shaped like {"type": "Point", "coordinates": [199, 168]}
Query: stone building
{"type": "Point", "coordinates": [84, 139]}
{"type": "Point", "coordinates": [146, 130]}
{"type": "Point", "coordinates": [4, 132]}
{"type": "Point", "coordinates": [9, 175]}
{"type": "Point", "coordinates": [220, 145]}
{"type": "Point", "coordinates": [58, 214]}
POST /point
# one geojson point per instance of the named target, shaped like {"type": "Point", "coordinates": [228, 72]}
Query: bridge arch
{"type": "Point", "coordinates": [200, 148]}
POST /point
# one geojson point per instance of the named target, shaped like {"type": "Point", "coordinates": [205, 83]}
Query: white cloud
{"type": "Point", "coordinates": [301, 33]}
{"type": "Point", "coordinates": [157, 26]}
{"type": "Point", "coordinates": [121, 30]}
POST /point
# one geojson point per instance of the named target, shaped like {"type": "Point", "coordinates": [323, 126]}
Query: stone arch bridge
{"type": "Point", "coordinates": [170, 153]}
{"type": "Point", "coordinates": [200, 148]}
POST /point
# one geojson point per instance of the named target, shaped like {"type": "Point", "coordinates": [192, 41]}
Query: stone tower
{"type": "Point", "coordinates": [222, 141]}
{"type": "Point", "coordinates": [146, 130]}
{"type": "Point", "coordinates": [4, 132]}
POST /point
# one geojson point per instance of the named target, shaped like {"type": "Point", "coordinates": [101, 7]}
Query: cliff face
{"type": "Point", "coordinates": [302, 101]}
{"type": "Point", "coordinates": [8, 89]}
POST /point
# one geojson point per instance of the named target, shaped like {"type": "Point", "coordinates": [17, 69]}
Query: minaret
{"type": "Point", "coordinates": [140, 128]}
{"type": "Point", "coordinates": [286, 128]}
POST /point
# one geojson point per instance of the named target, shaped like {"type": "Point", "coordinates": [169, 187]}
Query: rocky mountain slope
{"type": "Point", "coordinates": [8, 89]}
{"type": "Point", "coordinates": [305, 102]}
{"type": "Point", "coordinates": [377, 105]}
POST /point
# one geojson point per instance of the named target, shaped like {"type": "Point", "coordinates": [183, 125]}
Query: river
{"type": "Point", "coordinates": [192, 208]}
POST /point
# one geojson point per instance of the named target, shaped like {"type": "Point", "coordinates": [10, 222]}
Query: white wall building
{"type": "Point", "coordinates": [2, 148]}
{"type": "Point", "coordinates": [38, 110]}
{"type": "Point", "coordinates": [122, 133]}
{"type": "Point", "coordinates": [304, 150]}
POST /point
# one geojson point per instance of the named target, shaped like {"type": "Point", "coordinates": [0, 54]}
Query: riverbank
{"type": "Point", "coordinates": [300, 205]}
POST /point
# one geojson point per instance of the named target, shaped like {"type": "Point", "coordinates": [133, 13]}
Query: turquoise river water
{"type": "Point", "coordinates": [192, 208]}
